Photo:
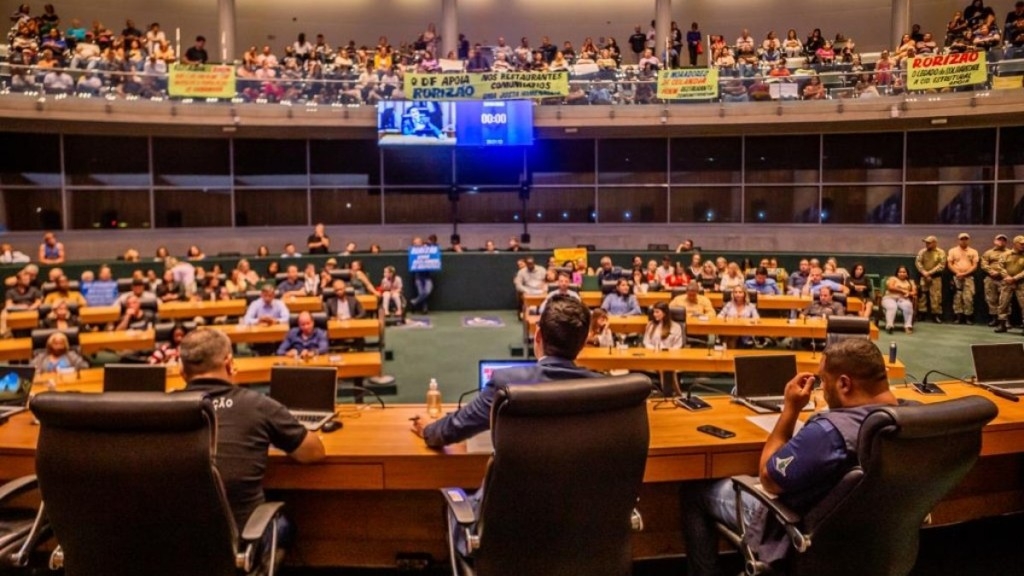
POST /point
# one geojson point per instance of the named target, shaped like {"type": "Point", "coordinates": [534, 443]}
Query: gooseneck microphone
{"type": "Point", "coordinates": [695, 403]}
{"type": "Point", "coordinates": [923, 387]}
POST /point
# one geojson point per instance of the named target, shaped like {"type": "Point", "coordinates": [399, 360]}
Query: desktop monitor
{"type": "Point", "coordinates": [487, 368]}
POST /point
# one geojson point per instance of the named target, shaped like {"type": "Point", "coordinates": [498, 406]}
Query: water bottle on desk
{"type": "Point", "coordinates": [892, 353]}
{"type": "Point", "coordinates": [433, 399]}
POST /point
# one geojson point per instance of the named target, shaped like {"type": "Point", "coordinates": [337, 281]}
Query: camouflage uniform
{"type": "Point", "coordinates": [993, 277]}
{"type": "Point", "coordinates": [1011, 266]}
{"type": "Point", "coordinates": [963, 288]}
{"type": "Point", "coordinates": [932, 262]}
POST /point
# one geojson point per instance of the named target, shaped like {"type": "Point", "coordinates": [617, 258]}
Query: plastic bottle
{"type": "Point", "coordinates": [892, 353]}
{"type": "Point", "coordinates": [433, 399]}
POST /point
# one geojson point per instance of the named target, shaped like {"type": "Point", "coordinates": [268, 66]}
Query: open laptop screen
{"type": "Point", "coordinates": [15, 384]}
{"type": "Point", "coordinates": [764, 375]}
{"type": "Point", "coordinates": [998, 362]}
{"type": "Point", "coordinates": [309, 389]}
{"type": "Point", "coordinates": [487, 367]}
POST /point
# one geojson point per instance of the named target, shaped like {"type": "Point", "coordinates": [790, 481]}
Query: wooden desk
{"type": "Point", "coordinates": [316, 303]}
{"type": "Point", "coordinates": [767, 327]}
{"type": "Point", "coordinates": [23, 320]}
{"type": "Point", "coordinates": [593, 299]}
{"type": "Point", "coordinates": [376, 494]}
{"type": "Point", "coordinates": [206, 309]}
{"type": "Point", "coordinates": [99, 314]}
{"type": "Point", "coordinates": [336, 330]}
{"type": "Point", "coordinates": [697, 360]}
{"type": "Point", "coordinates": [89, 342]}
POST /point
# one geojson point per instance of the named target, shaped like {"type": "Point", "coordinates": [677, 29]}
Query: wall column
{"type": "Point", "coordinates": [662, 28]}
{"type": "Point", "coordinates": [226, 24]}
{"type": "Point", "coordinates": [900, 21]}
{"type": "Point", "coordinates": [449, 28]}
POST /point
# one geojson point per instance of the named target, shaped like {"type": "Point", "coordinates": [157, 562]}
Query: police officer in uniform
{"type": "Point", "coordinates": [1011, 268]}
{"type": "Point", "coordinates": [963, 263]}
{"type": "Point", "coordinates": [993, 277]}
{"type": "Point", "coordinates": [930, 263]}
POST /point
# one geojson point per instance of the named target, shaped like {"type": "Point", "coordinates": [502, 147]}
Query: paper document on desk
{"type": "Point", "coordinates": [480, 444]}
{"type": "Point", "coordinates": [767, 422]}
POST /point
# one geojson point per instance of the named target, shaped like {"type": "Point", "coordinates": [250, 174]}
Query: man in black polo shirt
{"type": "Point", "coordinates": [248, 422]}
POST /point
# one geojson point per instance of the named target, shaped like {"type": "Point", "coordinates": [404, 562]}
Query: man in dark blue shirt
{"type": "Point", "coordinates": [802, 468]}
{"type": "Point", "coordinates": [305, 341]}
{"type": "Point", "coordinates": [561, 333]}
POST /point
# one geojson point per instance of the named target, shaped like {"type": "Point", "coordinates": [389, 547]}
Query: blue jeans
{"type": "Point", "coordinates": [424, 286]}
{"type": "Point", "coordinates": [704, 505]}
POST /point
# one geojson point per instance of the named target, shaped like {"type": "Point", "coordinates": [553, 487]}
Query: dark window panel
{"type": "Point", "coordinates": [1010, 204]}
{"type": "Point", "coordinates": [705, 204]}
{"type": "Point", "coordinates": [255, 207]}
{"type": "Point", "coordinates": [950, 204]}
{"type": "Point", "coordinates": [781, 205]}
{"type": "Point", "coordinates": [561, 205]}
{"type": "Point", "coordinates": [951, 155]}
{"type": "Point", "coordinates": [417, 166]}
{"type": "Point", "coordinates": [782, 159]}
{"type": "Point", "coordinates": [854, 204]}
{"type": "Point", "coordinates": [31, 209]}
{"type": "Point", "coordinates": [489, 166]}
{"type": "Point", "coordinates": [417, 206]}
{"type": "Point", "coordinates": [270, 157]}
{"type": "Point", "coordinates": [101, 208]}
{"type": "Point", "coordinates": [116, 161]}
{"type": "Point", "coordinates": [30, 159]}
{"type": "Point", "coordinates": [632, 161]}
{"type": "Point", "coordinates": [1011, 153]}
{"type": "Point", "coordinates": [344, 162]}
{"type": "Point", "coordinates": [190, 158]}
{"type": "Point", "coordinates": [345, 206]}
{"type": "Point", "coordinates": [184, 208]}
{"type": "Point", "coordinates": [706, 160]}
{"type": "Point", "coordinates": [569, 162]}
{"type": "Point", "coordinates": [846, 155]}
{"type": "Point", "coordinates": [632, 205]}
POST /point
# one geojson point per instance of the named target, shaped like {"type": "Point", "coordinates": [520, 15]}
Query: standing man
{"type": "Point", "coordinates": [248, 422]}
{"type": "Point", "coordinates": [1011, 270]}
{"type": "Point", "coordinates": [51, 251]}
{"type": "Point", "coordinates": [197, 54]}
{"type": "Point", "coordinates": [561, 333]}
{"type": "Point", "coordinates": [963, 263]}
{"type": "Point", "coordinates": [318, 242]}
{"type": "Point", "coordinates": [800, 468]}
{"type": "Point", "coordinates": [990, 266]}
{"type": "Point", "coordinates": [637, 43]}
{"type": "Point", "coordinates": [930, 263]}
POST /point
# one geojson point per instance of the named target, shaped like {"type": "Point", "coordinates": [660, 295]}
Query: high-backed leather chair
{"type": "Point", "coordinates": [560, 491]}
{"type": "Point", "coordinates": [909, 458]}
{"type": "Point", "coordinates": [130, 487]}
{"type": "Point", "coordinates": [319, 320]}
{"type": "Point", "coordinates": [843, 327]}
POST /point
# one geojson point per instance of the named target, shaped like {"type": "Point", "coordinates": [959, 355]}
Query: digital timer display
{"type": "Point", "coordinates": [462, 123]}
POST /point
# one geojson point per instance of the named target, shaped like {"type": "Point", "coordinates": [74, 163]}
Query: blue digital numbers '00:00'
{"type": "Point", "coordinates": [500, 118]}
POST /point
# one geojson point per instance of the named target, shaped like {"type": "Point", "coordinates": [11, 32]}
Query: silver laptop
{"type": "Point", "coordinates": [309, 393]}
{"type": "Point", "coordinates": [1000, 366]}
{"type": "Point", "coordinates": [761, 381]}
{"type": "Point", "coordinates": [15, 389]}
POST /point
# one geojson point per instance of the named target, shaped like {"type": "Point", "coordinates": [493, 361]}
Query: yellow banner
{"type": "Point", "coordinates": [486, 85]}
{"type": "Point", "coordinates": [949, 71]}
{"type": "Point", "coordinates": [563, 255]}
{"type": "Point", "coordinates": [688, 84]}
{"type": "Point", "coordinates": [205, 81]}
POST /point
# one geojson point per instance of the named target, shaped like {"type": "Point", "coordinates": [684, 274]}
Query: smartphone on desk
{"type": "Point", "coordinates": [715, 431]}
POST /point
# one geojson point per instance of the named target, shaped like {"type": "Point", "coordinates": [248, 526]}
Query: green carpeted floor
{"type": "Point", "coordinates": [449, 352]}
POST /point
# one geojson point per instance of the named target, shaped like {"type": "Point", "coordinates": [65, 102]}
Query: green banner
{"type": "Point", "coordinates": [486, 85]}
{"type": "Point", "coordinates": [688, 84]}
{"type": "Point", "coordinates": [201, 81]}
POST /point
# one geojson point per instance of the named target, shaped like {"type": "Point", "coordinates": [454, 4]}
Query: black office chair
{"type": "Point", "coordinates": [553, 286]}
{"type": "Point", "coordinates": [130, 487]}
{"type": "Point", "coordinates": [165, 330]}
{"type": "Point", "coordinates": [657, 247]}
{"type": "Point", "coordinates": [21, 529]}
{"type": "Point", "coordinates": [251, 296]}
{"type": "Point", "coordinates": [608, 286]}
{"type": "Point", "coordinates": [909, 458]}
{"type": "Point", "coordinates": [40, 335]}
{"type": "Point", "coordinates": [843, 327]}
{"type": "Point", "coordinates": [343, 273]}
{"type": "Point", "coordinates": [319, 320]}
{"type": "Point", "coordinates": [124, 285]}
{"type": "Point", "coordinates": [561, 487]}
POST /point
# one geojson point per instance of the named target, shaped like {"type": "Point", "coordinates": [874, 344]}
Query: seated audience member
{"type": "Point", "coordinates": [168, 290]}
{"type": "Point", "coordinates": [267, 310]}
{"type": "Point", "coordinates": [290, 251]}
{"type": "Point", "coordinates": [696, 266]}
{"type": "Point", "coordinates": [361, 283]}
{"type": "Point", "coordinates": [343, 306]}
{"type": "Point", "coordinates": [304, 341]}
{"type": "Point", "coordinates": [531, 279]}
{"type": "Point", "coordinates": [51, 251]}
{"type": "Point", "coordinates": [194, 253]}
{"type": "Point", "coordinates": [823, 306]}
{"type": "Point", "coordinates": [732, 278]}
{"type": "Point", "coordinates": [639, 282]}
{"type": "Point", "coordinates": [391, 291]}
{"type": "Point", "coordinates": [311, 281]}
{"type": "Point", "coordinates": [561, 334]}
{"type": "Point", "coordinates": [815, 282]}
{"type": "Point", "coordinates": [60, 317]}
{"type": "Point", "coordinates": [762, 284]}
{"type": "Point", "coordinates": [564, 289]}
{"type": "Point", "coordinates": [678, 279]}
{"type": "Point", "coordinates": [245, 433]}
{"type": "Point", "coordinates": [622, 302]}
{"type": "Point", "coordinates": [600, 333]}
{"type": "Point", "coordinates": [8, 255]}
{"type": "Point", "coordinates": [695, 303]}
{"type": "Point", "coordinates": [800, 469]}
{"type": "Point", "coordinates": [900, 293]}
{"type": "Point", "coordinates": [737, 308]}
{"type": "Point", "coordinates": [664, 271]}
{"type": "Point", "coordinates": [661, 332]}
{"type": "Point", "coordinates": [169, 352]}
{"type": "Point", "coordinates": [212, 290]}
{"type": "Point", "coordinates": [489, 247]}
{"type": "Point", "coordinates": [814, 90]}
{"type": "Point", "coordinates": [23, 296]}
{"type": "Point", "coordinates": [292, 285]}
{"type": "Point", "coordinates": [134, 314]}
{"type": "Point", "coordinates": [799, 277]}
{"type": "Point", "coordinates": [58, 356]}
{"type": "Point", "coordinates": [859, 285]}
{"type": "Point", "coordinates": [685, 246]}
{"type": "Point", "coordinates": [139, 290]}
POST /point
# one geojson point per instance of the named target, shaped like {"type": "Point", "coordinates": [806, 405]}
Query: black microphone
{"type": "Point", "coordinates": [994, 390]}
{"type": "Point", "coordinates": [695, 403]}
{"type": "Point", "coordinates": [765, 405]}
{"type": "Point", "coordinates": [923, 387]}
{"type": "Point", "coordinates": [466, 393]}
{"type": "Point", "coordinates": [814, 349]}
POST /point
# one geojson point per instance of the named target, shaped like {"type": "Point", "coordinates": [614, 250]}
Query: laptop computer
{"type": "Point", "coordinates": [309, 393]}
{"type": "Point", "coordinates": [15, 388]}
{"type": "Point", "coordinates": [1000, 366]}
{"type": "Point", "coordinates": [761, 381]}
{"type": "Point", "coordinates": [134, 378]}
{"type": "Point", "coordinates": [487, 368]}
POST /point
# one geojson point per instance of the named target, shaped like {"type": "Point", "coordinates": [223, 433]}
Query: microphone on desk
{"type": "Point", "coordinates": [996, 391]}
{"type": "Point", "coordinates": [814, 349]}
{"type": "Point", "coordinates": [695, 403]}
{"type": "Point", "coordinates": [466, 393]}
{"type": "Point", "coordinates": [924, 387]}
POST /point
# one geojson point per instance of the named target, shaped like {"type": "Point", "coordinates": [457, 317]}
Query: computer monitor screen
{"type": "Point", "coordinates": [487, 368]}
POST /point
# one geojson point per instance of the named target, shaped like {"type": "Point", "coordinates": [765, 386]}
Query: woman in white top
{"type": "Point", "coordinates": [391, 291]}
{"type": "Point", "coordinates": [661, 332]}
{"type": "Point", "coordinates": [600, 332]}
{"type": "Point", "coordinates": [732, 278]}
{"type": "Point", "coordinates": [739, 309]}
